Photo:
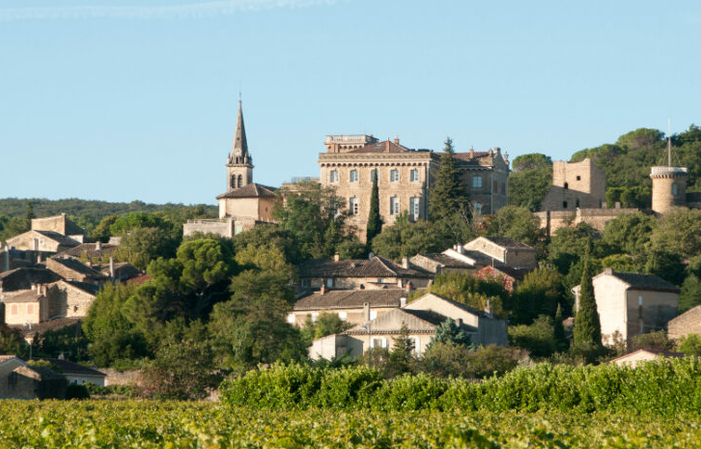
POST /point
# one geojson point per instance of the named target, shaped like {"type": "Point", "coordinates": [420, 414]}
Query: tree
{"type": "Point", "coordinates": [517, 223]}
{"type": "Point", "coordinates": [11, 341]}
{"type": "Point", "coordinates": [374, 226]}
{"type": "Point", "coordinates": [448, 332]}
{"type": "Point", "coordinates": [540, 293]}
{"type": "Point", "coordinates": [142, 245]}
{"type": "Point", "coordinates": [407, 239]}
{"type": "Point", "coordinates": [469, 290]}
{"type": "Point", "coordinates": [691, 344]}
{"type": "Point", "coordinates": [668, 266]}
{"type": "Point", "coordinates": [538, 338]}
{"type": "Point", "coordinates": [530, 180]}
{"type": "Point", "coordinates": [690, 295]}
{"type": "Point", "coordinates": [449, 202]}
{"type": "Point", "coordinates": [559, 329]}
{"type": "Point", "coordinates": [29, 215]}
{"type": "Point", "coordinates": [266, 235]}
{"type": "Point", "coordinates": [679, 232]}
{"type": "Point", "coordinates": [401, 358]}
{"type": "Point", "coordinates": [630, 233]}
{"type": "Point", "coordinates": [569, 243]}
{"type": "Point", "coordinates": [587, 326]}
{"type": "Point", "coordinates": [326, 324]}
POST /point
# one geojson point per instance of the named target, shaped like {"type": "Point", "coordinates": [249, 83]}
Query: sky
{"type": "Point", "coordinates": [123, 100]}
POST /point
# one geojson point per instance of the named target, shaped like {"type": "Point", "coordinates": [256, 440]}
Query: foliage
{"type": "Point", "coordinates": [76, 391]}
{"type": "Point", "coordinates": [471, 291]}
{"type": "Point", "coordinates": [630, 233]}
{"type": "Point", "coordinates": [69, 342]}
{"type": "Point", "coordinates": [690, 295]}
{"type": "Point", "coordinates": [449, 333]}
{"type": "Point", "coordinates": [668, 266]}
{"type": "Point", "coordinates": [11, 226]}
{"type": "Point", "coordinates": [678, 232]}
{"type": "Point", "coordinates": [407, 239]}
{"type": "Point", "coordinates": [691, 344]}
{"type": "Point", "coordinates": [530, 180]}
{"type": "Point", "coordinates": [517, 223]}
{"type": "Point", "coordinates": [143, 245]}
{"type": "Point", "coordinates": [652, 341]}
{"type": "Point", "coordinates": [587, 326]}
{"type": "Point", "coordinates": [539, 293]}
{"type": "Point", "coordinates": [374, 225]}
{"type": "Point", "coordinates": [538, 338]}
{"type": "Point", "coordinates": [326, 324]}
{"type": "Point", "coordinates": [559, 330]}
{"type": "Point", "coordinates": [269, 235]}
{"type": "Point", "coordinates": [623, 263]}
{"type": "Point", "coordinates": [402, 357]}
{"type": "Point", "coordinates": [569, 243]}
{"type": "Point", "coordinates": [450, 360]}
{"type": "Point", "coordinates": [11, 341]}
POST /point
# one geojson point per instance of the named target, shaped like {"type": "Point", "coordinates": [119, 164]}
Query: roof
{"type": "Point", "coordinates": [24, 277]}
{"type": "Point", "coordinates": [515, 273]}
{"type": "Point", "coordinates": [447, 261]}
{"type": "Point", "coordinates": [5, 358]}
{"type": "Point", "coordinates": [350, 299]}
{"type": "Point", "coordinates": [89, 250]}
{"type": "Point", "coordinates": [67, 367]}
{"type": "Point", "coordinates": [57, 237]}
{"type": "Point", "coordinates": [21, 296]}
{"type": "Point", "coordinates": [506, 242]}
{"type": "Point", "coordinates": [465, 307]}
{"type": "Point", "coordinates": [650, 352]}
{"type": "Point", "coordinates": [239, 148]}
{"type": "Point", "coordinates": [139, 280]}
{"type": "Point", "coordinates": [483, 158]}
{"type": "Point", "coordinates": [84, 286]}
{"type": "Point", "coordinates": [375, 267]}
{"type": "Point", "coordinates": [643, 281]}
{"type": "Point", "coordinates": [122, 270]}
{"type": "Point", "coordinates": [386, 146]}
{"type": "Point", "coordinates": [252, 190]}
{"type": "Point", "coordinates": [77, 266]}
{"type": "Point", "coordinates": [52, 325]}
{"type": "Point", "coordinates": [416, 321]}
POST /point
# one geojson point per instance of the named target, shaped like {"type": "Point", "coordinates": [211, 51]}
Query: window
{"type": "Point", "coordinates": [30, 309]}
{"type": "Point", "coordinates": [329, 282]}
{"type": "Point", "coordinates": [579, 178]}
{"type": "Point", "coordinates": [564, 204]}
{"type": "Point", "coordinates": [566, 186]}
{"type": "Point", "coordinates": [291, 318]}
{"type": "Point", "coordinates": [240, 181]}
{"type": "Point", "coordinates": [233, 182]}
{"type": "Point", "coordinates": [343, 316]}
{"type": "Point", "coordinates": [414, 207]}
{"type": "Point", "coordinates": [354, 175]}
{"type": "Point", "coordinates": [394, 175]}
{"type": "Point", "coordinates": [576, 203]}
{"type": "Point", "coordinates": [503, 188]}
{"type": "Point", "coordinates": [13, 309]}
{"type": "Point", "coordinates": [478, 208]}
{"type": "Point", "coordinates": [374, 175]}
{"type": "Point", "coordinates": [642, 327]}
{"type": "Point", "coordinates": [353, 205]}
{"type": "Point", "coordinates": [334, 176]}
{"type": "Point", "coordinates": [373, 314]}
{"type": "Point", "coordinates": [414, 175]}
{"type": "Point", "coordinates": [674, 189]}
{"type": "Point", "coordinates": [315, 316]}
{"type": "Point", "coordinates": [640, 300]}
{"type": "Point", "coordinates": [476, 182]}
{"type": "Point", "coordinates": [378, 342]}
{"type": "Point", "coordinates": [495, 187]}
{"type": "Point", "coordinates": [417, 345]}
{"type": "Point", "coordinates": [394, 205]}
{"type": "Point", "coordinates": [305, 283]}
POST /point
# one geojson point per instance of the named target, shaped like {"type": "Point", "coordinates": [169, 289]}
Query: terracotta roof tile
{"type": "Point", "coordinates": [252, 190]}
{"type": "Point", "coordinates": [350, 299]}
{"type": "Point", "coordinates": [375, 267]}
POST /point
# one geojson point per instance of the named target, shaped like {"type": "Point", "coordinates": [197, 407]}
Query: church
{"type": "Point", "coordinates": [245, 203]}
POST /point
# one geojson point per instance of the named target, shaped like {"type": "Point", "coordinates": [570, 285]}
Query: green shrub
{"type": "Point", "coordinates": [76, 391]}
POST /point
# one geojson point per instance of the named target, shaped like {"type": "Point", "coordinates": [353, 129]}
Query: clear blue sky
{"type": "Point", "coordinates": [120, 100]}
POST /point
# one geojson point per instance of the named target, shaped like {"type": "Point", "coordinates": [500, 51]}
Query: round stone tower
{"type": "Point", "coordinates": [668, 188]}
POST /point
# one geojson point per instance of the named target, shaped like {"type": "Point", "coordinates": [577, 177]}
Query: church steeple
{"type": "Point", "coordinates": [239, 149]}
{"type": "Point", "coordinates": [239, 165]}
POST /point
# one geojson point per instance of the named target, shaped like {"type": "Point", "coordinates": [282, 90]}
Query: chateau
{"type": "Point", "coordinates": [404, 177]}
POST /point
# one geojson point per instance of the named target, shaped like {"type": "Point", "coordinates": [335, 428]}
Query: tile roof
{"type": "Point", "coordinates": [447, 261]}
{"type": "Point", "coordinates": [122, 270]}
{"type": "Point", "coordinates": [252, 190]}
{"type": "Point", "coordinates": [386, 146]}
{"type": "Point", "coordinates": [509, 243]}
{"type": "Point", "coordinates": [350, 299]}
{"type": "Point", "coordinates": [77, 266]}
{"type": "Point", "coordinates": [52, 325]}
{"type": "Point", "coordinates": [460, 305]}
{"type": "Point", "coordinates": [5, 358]}
{"type": "Point", "coordinates": [644, 281]}
{"type": "Point", "coordinates": [374, 267]}
{"type": "Point", "coordinates": [84, 286]}
{"type": "Point", "coordinates": [67, 367]}
{"type": "Point", "coordinates": [139, 280]}
{"type": "Point", "coordinates": [60, 238]}
{"type": "Point", "coordinates": [21, 296]}
{"type": "Point", "coordinates": [24, 277]}
{"type": "Point", "coordinates": [89, 250]}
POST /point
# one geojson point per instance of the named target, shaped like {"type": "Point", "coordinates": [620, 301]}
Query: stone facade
{"type": "Point", "coordinates": [26, 306]}
{"type": "Point", "coordinates": [576, 185]}
{"type": "Point", "coordinates": [65, 299]}
{"type": "Point", "coordinates": [631, 304]}
{"type": "Point", "coordinates": [404, 177]}
{"type": "Point", "coordinates": [668, 188]}
{"type": "Point", "coordinates": [507, 251]}
{"type": "Point", "coordinates": [42, 241]}
{"type": "Point", "coordinates": [687, 323]}
{"type": "Point", "coordinates": [551, 221]}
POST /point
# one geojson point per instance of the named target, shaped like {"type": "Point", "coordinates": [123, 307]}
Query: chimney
{"type": "Point", "coordinates": [458, 322]}
{"type": "Point", "coordinates": [324, 289]}
{"type": "Point", "coordinates": [98, 246]}
{"type": "Point", "coordinates": [371, 255]}
{"type": "Point", "coordinates": [366, 311]}
{"type": "Point", "coordinates": [405, 263]}
{"type": "Point", "coordinates": [336, 257]}
{"type": "Point", "coordinates": [488, 309]}
{"type": "Point", "coordinates": [402, 302]}
{"type": "Point", "coordinates": [608, 271]}
{"type": "Point", "coordinates": [472, 153]}
{"type": "Point", "coordinates": [112, 268]}
{"type": "Point", "coordinates": [6, 260]}
{"type": "Point", "coordinates": [396, 140]}
{"type": "Point", "coordinates": [34, 287]}
{"type": "Point", "coordinates": [409, 286]}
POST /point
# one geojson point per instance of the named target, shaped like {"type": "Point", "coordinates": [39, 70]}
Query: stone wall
{"type": "Point", "coordinates": [596, 218]}
{"type": "Point", "coordinates": [687, 323]}
{"type": "Point", "coordinates": [578, 184]}
{"type": "Point", "coordinates": [114, 377]}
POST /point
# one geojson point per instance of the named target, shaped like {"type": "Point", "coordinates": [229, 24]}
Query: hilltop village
{"type": "Point", "coordinates": [411, 260]}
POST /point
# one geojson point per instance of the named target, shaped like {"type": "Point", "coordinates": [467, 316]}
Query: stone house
{"type": "Point", "coordinates": [404, 177]}
{"type": "Point", "coordinates": [351, 306]}
{"type": "Point", "coordinates": [24, 278]}
{"type": "Point", "coordinates": [70, 298]}
{"type": "Point", "coordinates": [635, 358]}
{"type": "Point", "coordinates": [94, 253]}
{"type": "Point", "coordinates": [26, 306]}
{"type": "Point", "coordinates": [421, 317]}
{"type": "Point", "coordinates": [450, 260]}
{"type": "Point", "coordinates": [508, 251]}
{"type": "Point", "coordinates": [576, 184]}
{"type": "Point", "coordinates": [73, 270]}
{"type": "Point", "coordinates": [687, 323]}
{"type": "Point", "coordinates": [372, 273]}
{"type": "Point", "coordinates": [75, 373]}
{"type": "Point", "coordinates": [44, 241]}
{"type": "Point", "coordinates": [631, 304]}
{"type": "Point", "coordinates": [18, 380]}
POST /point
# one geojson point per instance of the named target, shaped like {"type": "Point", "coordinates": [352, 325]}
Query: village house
{"type": "Point", "coordinates": [74, 270]}
{"type": "Point", "coordinates": [94, 253]}
{"type": "Point", "coordinates": [75, 373]}
{"type": "Point", "coordinates": [351, 306]}
{"type": "Point", "coordinates": [509, 252]}
{"type": "Point", "coordinates": [372, 273]}
{"type": "Point", "coordinates": [631, 304]}
{"type": "Point", "coordinates": [420, 317]}
{"type": "Point", "coordinates": [49, 234]}
{"type": "Point", "coordinates": [18, 380]}
{"type": "Point", "coordinates": [687, 323]}
{"type": "Point", "coordinates": [404, 177]}
{"type": "Point", "coordinates": [635, 358]}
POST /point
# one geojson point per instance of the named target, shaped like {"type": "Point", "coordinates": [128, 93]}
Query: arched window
{"type": "Point", "coordinates": [566, 186]}
{"type": "Point", "coordinates": [232, 183]}
{"type": "Point", "coordinates": [240, 181]}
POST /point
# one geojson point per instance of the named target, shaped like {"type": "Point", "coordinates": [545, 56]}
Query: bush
{"type": "Point", "coordinates": [76, 391]}
{"type": "Point", "coordinates": [538, 338]}
{"type": "Point", "coordinates": [448, 360]}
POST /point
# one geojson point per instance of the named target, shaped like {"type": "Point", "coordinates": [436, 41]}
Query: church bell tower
{"type": "Point", "coordinates": [239, 165]}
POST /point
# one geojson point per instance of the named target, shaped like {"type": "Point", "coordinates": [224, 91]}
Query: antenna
{"type": "Point", "coordinates": [239, 89]}
{"type": "Point", "coordinates": [669, 142]}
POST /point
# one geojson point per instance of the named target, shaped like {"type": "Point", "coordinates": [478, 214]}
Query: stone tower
{"type": "Point", "coordinates": [668, 185]}
{"type": "Point", "coordinates": [239, 165]}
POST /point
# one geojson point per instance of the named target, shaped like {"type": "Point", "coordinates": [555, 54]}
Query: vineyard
{"type": "Point", "coordinates": [138, 424]}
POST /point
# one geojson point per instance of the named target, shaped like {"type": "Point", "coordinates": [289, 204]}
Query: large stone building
{"type": "Point", "coordinates": [244, 203]}
{"type": "Point", "coordinates": [404, 177]}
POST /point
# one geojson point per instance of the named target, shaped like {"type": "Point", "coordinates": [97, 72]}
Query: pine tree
{"type": "Point", "coordinates": [374, 221]}
{"type": "Point", "coordinates": [587, 326]}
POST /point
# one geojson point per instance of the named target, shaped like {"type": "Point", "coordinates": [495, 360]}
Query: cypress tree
{"type": "Point", "coordinates": [587, 326]}
{"type": "Point", "coordinates": [448, 195]}
{"type": "Point", "coordinates": [374, 221]}
{"type": "Point", "coordinates": [559, 329]}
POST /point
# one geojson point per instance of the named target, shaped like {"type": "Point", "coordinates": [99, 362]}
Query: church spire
{"type": "Point", "coordinates": [239, 149]}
